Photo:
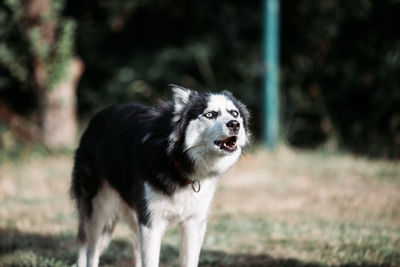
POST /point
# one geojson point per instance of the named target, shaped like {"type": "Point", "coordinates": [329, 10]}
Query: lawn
{"type": "Point", "coordinates": [292, 208]}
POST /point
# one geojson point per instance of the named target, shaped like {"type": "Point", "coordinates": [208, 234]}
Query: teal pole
{"type": "Point", "coordinates": [271, 73]}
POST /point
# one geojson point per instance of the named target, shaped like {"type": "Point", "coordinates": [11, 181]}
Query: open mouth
{"type": "Point", "coordinates": [227, 144]}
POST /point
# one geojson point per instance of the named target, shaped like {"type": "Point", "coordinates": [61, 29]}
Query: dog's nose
{"type": "Point", "coordinates": [234, 125]}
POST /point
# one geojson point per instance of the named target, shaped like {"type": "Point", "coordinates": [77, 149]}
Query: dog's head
{"type": "Point", "coordinates": [211, 125]}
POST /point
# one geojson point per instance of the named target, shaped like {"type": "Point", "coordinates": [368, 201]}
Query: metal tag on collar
{"type": "Point", "coordinates": [196, 186]}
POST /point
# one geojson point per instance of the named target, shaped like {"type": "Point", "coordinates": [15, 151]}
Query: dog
{"type": "Point", "coordinates": [150, 166]}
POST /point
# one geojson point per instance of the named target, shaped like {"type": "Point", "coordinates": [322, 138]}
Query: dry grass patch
{"type": "Point", "coordinates": [285, 209]}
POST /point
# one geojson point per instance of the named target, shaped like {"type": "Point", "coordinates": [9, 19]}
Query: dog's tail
{"type": "Point", "coordinates": [85, 183]}
{"type": "Point", "coordinates": [86, 180]}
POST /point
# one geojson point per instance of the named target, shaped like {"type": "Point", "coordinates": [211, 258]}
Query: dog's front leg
{"type": "Point", "coordinates": [192, 235]}
{"type": "Point", "coordinates": [150, 242]}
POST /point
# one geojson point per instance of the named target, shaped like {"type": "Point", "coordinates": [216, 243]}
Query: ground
{"type": "Point", "coordinates": [291, 208]}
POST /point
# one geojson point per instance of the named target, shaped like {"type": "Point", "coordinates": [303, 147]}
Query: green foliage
{"type": "Point", "coordinates": [167, 42]}
{"type": "Point", "coordinates": [30, 259]}
{"type": "Point", "coordinates": [14, 64]}
{"type": "Point", "coordinates": [10, 45]}
{"type": "Point", "coordinates": [63, 52]}
{"type": "Point", "coordinates": [21, 43]}
{"type": "Point", "coordinates": [339, 60]}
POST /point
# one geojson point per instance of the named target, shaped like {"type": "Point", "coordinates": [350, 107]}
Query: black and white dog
{"type": "Point", "coordinates": [153, 165]}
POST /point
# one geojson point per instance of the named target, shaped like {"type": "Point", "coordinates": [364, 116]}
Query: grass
{"type": "Point", "coordinates": [286, 209]}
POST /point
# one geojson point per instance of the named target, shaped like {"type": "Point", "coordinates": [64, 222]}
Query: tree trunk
{"type": "Point", "coordinates": [57, 105]}
{"type": "Point", "coordinates": [60, 123]}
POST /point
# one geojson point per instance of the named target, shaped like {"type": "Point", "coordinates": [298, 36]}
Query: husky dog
{"type": "Point", "coordinates": [150, 166]}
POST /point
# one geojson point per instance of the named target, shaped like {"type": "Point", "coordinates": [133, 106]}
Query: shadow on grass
{"type": "Point", "coordinates": [26, 249]}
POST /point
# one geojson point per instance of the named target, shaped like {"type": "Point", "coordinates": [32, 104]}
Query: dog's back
{"type": "Point", "coordinates": [100, 151]}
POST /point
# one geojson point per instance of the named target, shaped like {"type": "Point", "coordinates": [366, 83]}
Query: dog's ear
{"type": "Point", "coordinates": [181, 96]}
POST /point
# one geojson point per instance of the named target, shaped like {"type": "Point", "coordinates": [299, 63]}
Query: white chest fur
{"type": "Point", "coordinates": [183, 204]}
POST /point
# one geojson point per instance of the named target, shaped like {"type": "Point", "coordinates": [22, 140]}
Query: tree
{"type": "Point", "coordinates": [48, 64]}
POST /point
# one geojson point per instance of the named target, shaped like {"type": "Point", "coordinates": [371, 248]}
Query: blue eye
{"type": "Point", "coordinates": [211, 115]}
{"type": "Point", "coordinates": [235, 113]}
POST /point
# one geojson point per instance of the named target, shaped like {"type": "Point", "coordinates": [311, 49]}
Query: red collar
{"type": "Point", "coordinates": [176, 163]}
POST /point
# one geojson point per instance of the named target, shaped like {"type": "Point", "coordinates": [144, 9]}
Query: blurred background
{"type": "Point", "coordinates": [328, 196]}
{"type": "Point", "coordinates": [60, 61]}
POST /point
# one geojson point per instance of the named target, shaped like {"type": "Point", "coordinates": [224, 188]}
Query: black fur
{"type": "Point", "coordinates": [127, 145]}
